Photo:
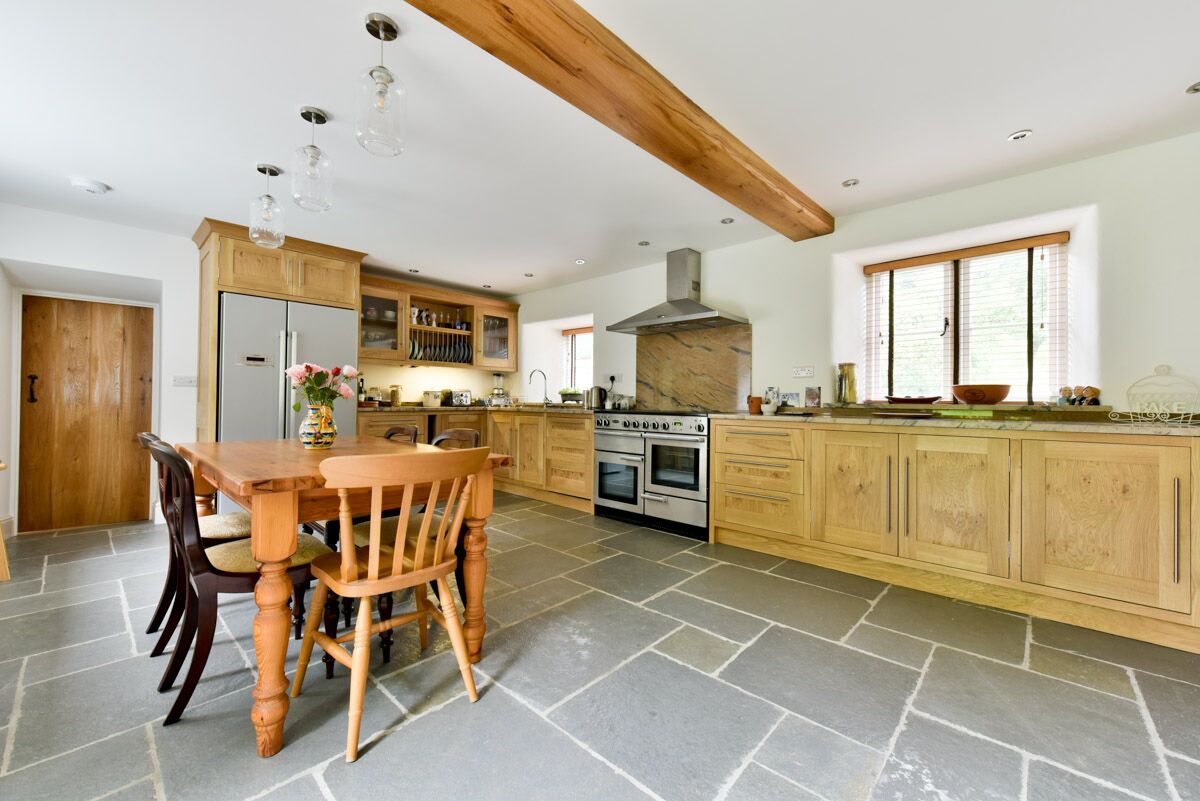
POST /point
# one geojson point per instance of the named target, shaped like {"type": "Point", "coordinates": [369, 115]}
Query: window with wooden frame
{"type": "Point", "coordinates": [993, 314]}
{"type": "Point", "coordinates": [577, 357]}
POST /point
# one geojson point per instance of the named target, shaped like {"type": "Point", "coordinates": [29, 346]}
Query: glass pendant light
{"type": "Point", "coordinates": [266, 216]}
{"type": "Point", "coordinates": [312, 172]}
{"type": "Point", "coordinates": [379, 127]}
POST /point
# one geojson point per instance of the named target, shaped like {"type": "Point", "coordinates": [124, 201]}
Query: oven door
{"type": "Point", "coordinates": [677, 466]}
{"type": "Point", "coordinates": [619, 481]}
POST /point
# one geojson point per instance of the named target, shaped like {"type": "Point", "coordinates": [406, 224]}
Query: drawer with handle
{"type": "Point", "coordinates": [759, 472]}
{"type": "Point", "coordinates": [759, 440]}
{"type": "Point", "coordinates": [780, 512]}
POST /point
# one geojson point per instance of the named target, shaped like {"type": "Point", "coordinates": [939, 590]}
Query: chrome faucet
{"type": "Point", "coordinates": [545, 382]}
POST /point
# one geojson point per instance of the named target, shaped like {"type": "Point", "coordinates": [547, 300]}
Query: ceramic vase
{"type": "Point", "coordinates": [318, 430]}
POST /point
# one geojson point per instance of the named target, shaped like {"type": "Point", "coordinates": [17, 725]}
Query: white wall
{"type": "Point", "coordinates": [7, 344]}
{"type": "Point", "coordinates": [541, 348]}
{"type": "Point", "coordinates": [1146, 206]}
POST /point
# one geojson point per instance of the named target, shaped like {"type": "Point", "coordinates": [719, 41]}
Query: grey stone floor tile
{"type": "Point", "coordinates": [70, 711]}
{"type": "Point", "coordinates": [49, 629]}
{"type": "Point", "coordinates": [737, 556]}
{"type": "Point", "coordinates": [91, 552]}
{"type": "Point", "coordinates": [932, 762]}
{"type": "Point", "coordinates": [830, 579]}
{"type": "Point", "coordinates": [1135, 654]}
{"type": "Point", "coordinates": [759, 784]}
{"type": "Point", "coordinates": [519, 514]}
{"type": "Point", "coordinates": [104, 568]}
{"type": "Point", "coordinates": [529, 565]}
{"type": "Point", "coordinates": [140, 791]}
{"type": "Point", "coordinates": [852, 693]}
{"type": "Point", "coordinates": [1048, 783]}
{"type": "Point", "coordinates": [971, 628]}
{"type": "Point", "coordinates": [509, 732]}
{"type": "Point", "coordinates": [554, 532]}
{"type": "Point", "coordinates": [593, 552]}
{"type": "Point", "coordinates": [1174, 706]}
{"type": "Point", "coordinates": [56, 600]}
{"type": "Point", "coordinates": [561, 512]}
{"type": "Point", "coordinates": [802, 606]}
{"type": "Point", "coordinates": [696, 648]}
{"type": "Point", "coordinates": [315, 731]}
{"type": "Point", "coordinates": [430, 683]}
{"type": "Point", "coordinates": [890, 645]}
{"type": "Point", "coordinates": [517, 503]}
{"type": "Point", "coordinates": [827, 763]}
{"type": "Point", "coordinates": [549, 656]}
{"type": "Point", "coordinates": [609, 524]}
{"type": "Point", "coordinates": [639, 717]}
{"type": "Point", "coordinates": [9, 671]}
{"type": "Point", "coordinates": [523, 603]}
{"type": "Point", "coordinates": [22, 570]}
{"type": "Point", "coordinates": [1185, 775]}
{"type": "Point", "coordinates": [144, 590]}
{"type": "Point", "coordinates": [649, 544]}
{"type": "Point", "coordinates": [85, 774]}
{"type": "Point", "coordinates": [629, 577]}
{"type": "Point", "coordinates": [1081, 670]}
{"type": "Point", "coordinates": [692, 563]}
{"type": "Point", "coordinates": [500, 541]}
{"type": "Point", "coordinates": [493, 588]}
{"type": "Point", "coordinates": [303, 789]}
{"type": "Point", "coordinates": [43, 544]}
{"type": "Point", "coordinates": [52, 664]}
{"type": "Point", "coordinates": [1044, 716]}
{"type": "Point", "coordinates": [723, 622]}
{"type": "Point", "coordinates": [19, 589]}
{"type": "Point", "coordinates": [140, 539]}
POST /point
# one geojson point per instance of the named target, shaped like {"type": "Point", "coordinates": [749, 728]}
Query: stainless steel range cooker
{"type": "Point", "coordinates": [652, 468]}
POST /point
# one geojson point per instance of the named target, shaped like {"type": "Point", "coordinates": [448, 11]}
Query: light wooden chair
{"type": "Point", "coordinates": [406, 551]}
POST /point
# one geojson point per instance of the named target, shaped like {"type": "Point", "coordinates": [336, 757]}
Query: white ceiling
{"type": "Point", "coordinates": [172, 105]}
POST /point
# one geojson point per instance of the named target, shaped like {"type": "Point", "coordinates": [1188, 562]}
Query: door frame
{"type": "Point", "coordinates": [14, 465]}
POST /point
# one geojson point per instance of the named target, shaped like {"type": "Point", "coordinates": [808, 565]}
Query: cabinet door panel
{"type": "Point", "coordinates": [569, 459]}
{"type": "Point", "coordinates": [778, 512]}
{"type": "Point", "coordinates": [531, 465]}
{"type": "Point", "coordinates": [495, 339]}
{"type": "Point", "coordinates": [774, 442]}
{"type": "Point", "coordinates": [1109, 520]}
{"type": "Point", "coordinates": [955, 492]}
{"type": "Point", "coordinates": [501, 428]}
{"type": "Point", "coordinates": [854, 494]}
{"type": "Point", "coordinates": [244, 265]}
{"type": "Point", "coordinates": [318, 278]}
{"type": "Point", "coordinates": [772, 475]}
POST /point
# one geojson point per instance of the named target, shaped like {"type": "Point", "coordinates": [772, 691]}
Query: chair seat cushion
{"type": "Point", "coordinates": [236, 556]}
{"type": "Point", "coordinates": [229, 526]}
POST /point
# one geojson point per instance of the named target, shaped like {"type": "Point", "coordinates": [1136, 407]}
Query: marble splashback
{"type": "Point", "coordinates": [702, 369]}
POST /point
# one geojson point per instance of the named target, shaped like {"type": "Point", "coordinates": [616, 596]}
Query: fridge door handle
{"type": "Point", "coordinates": [294, 343]}
{"type": "Point", "coordinates": [283, 386]}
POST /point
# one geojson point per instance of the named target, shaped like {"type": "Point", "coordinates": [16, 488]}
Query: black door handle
{"type": "Point", "coordinates": [32, 397]}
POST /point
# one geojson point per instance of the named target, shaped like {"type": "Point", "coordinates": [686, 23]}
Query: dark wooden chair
{"type": "Point", "coordinates": [208, 572]}
{"type": "Point", "coordinates": [214, 530]}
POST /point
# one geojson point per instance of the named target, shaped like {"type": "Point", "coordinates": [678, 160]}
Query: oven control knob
{"type": "Point", "coordinates": [699, 427]}
{"type": "Point", "coordinates": [625, 423]}
{"type": "Point", "coordinates": [654, 426]}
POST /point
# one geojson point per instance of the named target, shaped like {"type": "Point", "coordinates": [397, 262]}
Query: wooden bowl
{"type": "Point", "coordinates": [982, 394]}
{"type": "Point", "coordinates": [923, 399]}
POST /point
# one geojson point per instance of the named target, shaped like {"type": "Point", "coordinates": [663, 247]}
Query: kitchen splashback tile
{"type": "Point", "coordinates": [705, 369]}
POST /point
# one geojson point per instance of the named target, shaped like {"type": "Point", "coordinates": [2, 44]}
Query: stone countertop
{"type": "Point", "coordinates": [468, 409]}
{"type": "Point", "coordinates": [985, 425]}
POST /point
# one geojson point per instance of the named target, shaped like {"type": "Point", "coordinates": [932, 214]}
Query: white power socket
{"type": "Point", "coordinates": [183, 381]}
{"type": "Point", "coordinates": [617, 377]}
{"type": "Point", "coordinates": [807, 371]}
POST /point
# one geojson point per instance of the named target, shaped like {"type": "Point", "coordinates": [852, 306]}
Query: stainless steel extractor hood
{"type": "Point", "coordinates": [683, 310]}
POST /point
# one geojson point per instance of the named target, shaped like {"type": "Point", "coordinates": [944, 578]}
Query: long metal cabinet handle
{"type": "Point", "coordinates": [889, 494]}
{"type": "Point", "coordinates": [760, 433]}
{"type": "Point", "coordinates": [775, 498]}
{"type": "Point", "coordinates": [775, 465]}
{"type": "Point", "coordinates": [283, 386]}
{"type": "Point", "coordinates": [652, 497]}
{"type": "Point", "coordinates": [632, 458]}
{"type": "Point", "coordinates": [1176, 531]}
{"type": "Point", "coordinates": [905, 495]}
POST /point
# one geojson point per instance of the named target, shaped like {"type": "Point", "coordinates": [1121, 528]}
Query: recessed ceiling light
{"type": "Point", "coordinates": [643, 243]}
{"type": "Point", "coordinates": [1017, 136]}
{"type": "Point", "coordinates": [529, 275]}
{"type": "Point", "coordinates": [581, 261]}
{"type": "Point", "coordinates": [413, 270]}
{"type": "Point", "coordinates": [487, 286]}
{"type": "Point", "coordinates": [849, 182]}
{"type": "Point", "coordinates": [91, 186]}
{"type": "Point", "coordinates": [726, 220]}
{"type": "Point", "coordinates": [1194, 89]}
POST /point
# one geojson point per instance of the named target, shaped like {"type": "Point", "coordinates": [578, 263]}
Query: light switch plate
{"type": "Point", "coordinates": [807, 371]}
{"type": "Point", "coordinates": [183, 381]}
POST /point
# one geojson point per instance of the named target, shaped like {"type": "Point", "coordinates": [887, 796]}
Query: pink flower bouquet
{"type": "Point", "coordinates": [321, 386]}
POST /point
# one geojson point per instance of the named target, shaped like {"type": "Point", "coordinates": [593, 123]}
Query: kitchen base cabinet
{"type": "Point", "coordinates": [376, 424]}
{"type": "Point", "coordinates": [854, 490]}
{"type": "Point", "coordinates": [955, 495]}
{"type": "Point", "coordinates": [1109, 519]}
{"type": "Point", "coordinates": [501, 428]}
{"type": "Point", "coordinates": [473, 421]}
{"type": "Point", "coordinates": [569, 454]}
{"type": "Point", "coordinates": [779, 513]}
{"type": "Point", "coordinates": [552, 455]}
{"type": "Point", "coordinates": [530, 457]}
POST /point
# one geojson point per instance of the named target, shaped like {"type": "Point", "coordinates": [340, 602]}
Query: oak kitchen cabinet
{"type": "Point", "coordinates": [569, 454]}
{"type": "Point", "coordinates": [519, 435]}
{"type": "Point", "coordinates": [552, 454]}
{"type": "Point", "coordinates": [758, 478]}
{"type": "Point", "coordinates": [855, 500]}
{"type": "Point", "coordinates": [376, 424]}
{"type": "Point", "coordinates": [496, 338]}
{"type": "Point", "coordinates": [472, 420]}
{"type": "Point", "coordinates": [1109, 519]}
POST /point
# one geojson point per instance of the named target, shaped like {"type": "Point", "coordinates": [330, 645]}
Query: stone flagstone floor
{"type": "Point", "coordinates": [620, 663]}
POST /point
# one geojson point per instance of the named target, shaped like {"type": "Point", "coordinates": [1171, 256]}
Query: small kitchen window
{"type": "Point", "coordinates": [577, 357]}
{"type": "Point", "coordinates": [993, 314]}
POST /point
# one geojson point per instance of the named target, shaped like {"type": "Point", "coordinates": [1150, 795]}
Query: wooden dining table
{"type": "Point", "coordinates": [279, 483]}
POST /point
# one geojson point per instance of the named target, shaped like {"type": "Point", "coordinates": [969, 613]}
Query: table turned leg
{"type": "Point", "coordinates": [474, 575]}
{"type": "Point", "coordinates": [206, 496]}
{"type": "Point", "coordinates": [273, 525]}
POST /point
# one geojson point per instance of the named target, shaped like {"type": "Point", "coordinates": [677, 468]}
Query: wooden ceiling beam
{"type": "Point", "coordinates": [565, 49]}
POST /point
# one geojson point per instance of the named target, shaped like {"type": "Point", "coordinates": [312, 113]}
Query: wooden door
{"type": "Point", "coordinates": [854, 495]}
{"type": "Point", "coordinates": [81, 463]}
{"type": "Point", "coordinates": [501, 428]}
{"type": "Point", "coordinates": [1108, 519]}
{"type": "Point", "coordinates": [955, 501]}
{"type": "Point", "coordinates": [244, 265]}
{"type": "Point", "coordinates": [324, 279]}
{"type": "Point", "coordinates": [495, 339]}
{"type": "Point", "coordinates": [531, 460]}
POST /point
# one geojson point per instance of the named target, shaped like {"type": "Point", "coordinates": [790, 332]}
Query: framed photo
{"type": "Point", "coordinates": [812, 396]}
{"type": "Point", "coordinates": [790, 398]}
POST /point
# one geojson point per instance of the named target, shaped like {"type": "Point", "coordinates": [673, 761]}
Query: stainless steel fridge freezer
{"type": "Point", "coordinates": [259, 337]}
